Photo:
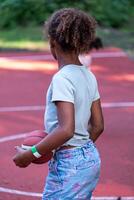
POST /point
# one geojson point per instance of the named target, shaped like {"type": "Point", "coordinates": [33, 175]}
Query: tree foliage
{"type": "Point", "coordinates": [34, 12]}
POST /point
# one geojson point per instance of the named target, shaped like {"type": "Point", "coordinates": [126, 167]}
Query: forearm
{"type": "Point", "coordinates": [58, 137]}
{"type": "Point", "coordinates": [55, 139]}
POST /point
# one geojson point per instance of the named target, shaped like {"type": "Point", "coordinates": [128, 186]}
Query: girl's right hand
{"type": "Point", "coordinates": [23, 158]}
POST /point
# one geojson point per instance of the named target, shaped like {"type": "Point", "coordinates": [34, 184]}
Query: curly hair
{"type": "Point", "coordinates": [72, 29]}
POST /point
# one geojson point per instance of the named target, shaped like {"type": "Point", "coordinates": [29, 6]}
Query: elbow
{"type": "Point", "coordinates": [69, 132]}
{"type": "Point", "coordinates": [69, 135]}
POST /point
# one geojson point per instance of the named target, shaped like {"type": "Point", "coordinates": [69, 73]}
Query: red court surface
{"type": "Point", "coordinates": [24, 79]}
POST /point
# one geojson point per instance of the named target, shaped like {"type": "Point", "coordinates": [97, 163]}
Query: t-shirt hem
{"type": "Point", "coordinates": [75, 142]}
{"type": "Point", "coordinates": [64, 100]}
{"type": "Point", "coordinates": [97, 98]}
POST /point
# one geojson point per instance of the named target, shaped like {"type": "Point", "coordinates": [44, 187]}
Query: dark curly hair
{"type": "Point", "coordinates": [72, 29]}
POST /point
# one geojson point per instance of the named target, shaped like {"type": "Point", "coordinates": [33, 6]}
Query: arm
{"type": "Point", "coordinates": [59, 136]}
{"type": "Point", "coordinates": [96, 123]}
{"type": "Point", "coordinates": [63, 132]}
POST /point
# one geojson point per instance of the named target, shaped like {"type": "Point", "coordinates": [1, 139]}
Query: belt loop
{"type": "Point", "coordinates": [83, 152]}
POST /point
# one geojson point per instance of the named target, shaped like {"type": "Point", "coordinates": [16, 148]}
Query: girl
{"type": "Point", "coordinates": [73, 117]}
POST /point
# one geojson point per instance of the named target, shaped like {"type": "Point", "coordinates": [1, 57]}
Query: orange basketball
{"type": "Point", "coordinates": [33, 138]}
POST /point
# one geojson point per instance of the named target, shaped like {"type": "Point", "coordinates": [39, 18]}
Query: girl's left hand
{"type": "Point", "coordinates": [23, 158]}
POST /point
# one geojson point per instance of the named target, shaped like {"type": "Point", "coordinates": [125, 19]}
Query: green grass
{"type": "Point", "coordinates": [30, 38]}
{"type": "Point", "coordinates": [122, 38]}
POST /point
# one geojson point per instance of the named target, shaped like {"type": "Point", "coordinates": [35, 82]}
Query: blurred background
{"type": "Point", "coordinates": [26, 69]}
{"type": "Point", "coordinates": [21, 22]}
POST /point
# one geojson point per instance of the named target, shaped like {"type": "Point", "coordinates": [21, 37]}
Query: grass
{"type": "Point", "coordinates": [31, 38]}
{"type": "Point", "coordinates": [122, 38]}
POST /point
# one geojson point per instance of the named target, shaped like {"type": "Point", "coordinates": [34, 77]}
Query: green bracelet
{"type": "Point", "coordinates": [35, 152]}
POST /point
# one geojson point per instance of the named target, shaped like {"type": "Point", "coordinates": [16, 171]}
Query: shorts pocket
{"type": "Point", "coordinates": [85, 164]}
{"type": "Point", "coordinates": [53, 171]}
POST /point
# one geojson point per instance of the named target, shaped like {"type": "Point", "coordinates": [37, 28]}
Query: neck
{"type": "Point", "coordinates": [66, 59]}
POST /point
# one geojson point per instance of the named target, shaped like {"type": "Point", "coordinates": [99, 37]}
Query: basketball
{"type": "Point", "coordinates": [33, 138]}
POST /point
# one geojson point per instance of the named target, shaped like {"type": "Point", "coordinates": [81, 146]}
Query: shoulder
{"type": "Point", "coordinates": [58, 77]}
{"type": "Point", "coordinates": [64, 75]}
{"type": "Point", "coordinates": [62, 80]}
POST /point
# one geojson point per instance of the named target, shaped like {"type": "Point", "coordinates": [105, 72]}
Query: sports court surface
{"type": "Point", "coordinates": [24, 78]}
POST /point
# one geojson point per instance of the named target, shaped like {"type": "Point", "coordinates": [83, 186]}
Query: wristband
{"type": "Point", "coordinates": [35, 152]}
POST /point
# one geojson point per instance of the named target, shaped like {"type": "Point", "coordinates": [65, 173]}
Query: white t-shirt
{"type": "Point", "coordinates": [77, 85]}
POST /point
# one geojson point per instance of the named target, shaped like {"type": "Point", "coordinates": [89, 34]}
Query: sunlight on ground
{"type": "Point", "coordinates": [123, 77]}
{"type": "Point", "coordinates": [7, 63]}
{"type": "Point", "coordinates": [99, 68]}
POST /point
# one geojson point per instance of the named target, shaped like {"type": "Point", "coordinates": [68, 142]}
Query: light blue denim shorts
{"type": "Point", "coordinates": [73, 173]}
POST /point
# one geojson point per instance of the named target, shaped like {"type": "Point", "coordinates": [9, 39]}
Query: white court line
{"type": "Point", "coordinates": [21, 108]}
{"type": "Point", "coordinates": [11, 191]}
{"type": "Point", "coordinates": [27, 57]}
{"type": "Point", "coordinates": [38, 108]}
{"type": "Point", "coordinates": [108, 54]}
{"type": "Point", "coordinates": [35, 194]}
{"type": "Point", "coordinates": [49, 56]}
{"type": "Point", "coordinates": [12, 137]}
{"type": "Point", "coordinates": [117, 104]}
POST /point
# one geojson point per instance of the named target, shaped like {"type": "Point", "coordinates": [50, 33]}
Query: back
{"type": "Point", "coordinates": [77, 85]}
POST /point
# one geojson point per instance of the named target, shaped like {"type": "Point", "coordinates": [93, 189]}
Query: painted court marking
{"type": "Point", "coordinates": [39, 108]}
{"type": "Point", "coordinates": [49, 56]}
{"type": "Point", "coordinates": [11, 191]}
{"type": "Point", "coordinates": [12, 137]}
{"type": "Point", "coordinates": [21, 108]}
{"type": "Point", "coordinates": [34, 194]}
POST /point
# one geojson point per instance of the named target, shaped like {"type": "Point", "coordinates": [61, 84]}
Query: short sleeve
{"type": "Point", "coordinates": [96, 93]}
{"type": "Point", "coordinates": [62, 89]}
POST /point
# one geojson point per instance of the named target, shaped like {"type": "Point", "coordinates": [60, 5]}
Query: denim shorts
{"type": "Point", "coordinates": [73, 173]}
